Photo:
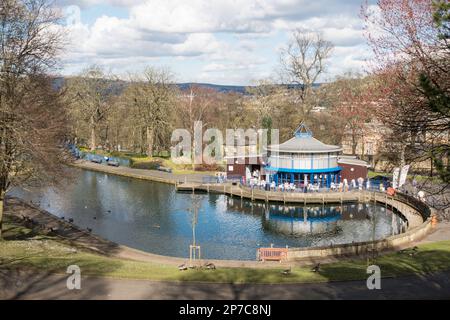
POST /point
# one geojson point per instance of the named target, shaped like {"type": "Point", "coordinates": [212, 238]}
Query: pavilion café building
{"type": "Point", "coordinates": [303, 160]}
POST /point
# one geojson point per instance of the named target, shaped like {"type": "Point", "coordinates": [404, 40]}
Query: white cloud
{"type": "Point", "coordinates": [223, 38]}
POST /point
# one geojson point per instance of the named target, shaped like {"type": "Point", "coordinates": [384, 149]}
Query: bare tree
{"type": "Point", "coordinates": [152, 96]}
{"type": "Point", "coordinates": [196, 105]}
{"type": "Point", "coordinates": [262, 101]}
{"type": "Point", "coordinates": [32, 122]}
{"type": "Point", "coordinates": [89, 99]}
{"type": "Point", "coordinates": [302, 62]}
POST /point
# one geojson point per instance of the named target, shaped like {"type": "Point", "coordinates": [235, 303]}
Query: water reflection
{"type": "Point", "coordinates": [153, 217]}
{"type": "Point", "coordinates": [324, 224]}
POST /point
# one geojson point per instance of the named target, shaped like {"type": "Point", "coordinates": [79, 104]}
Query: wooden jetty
{"type": "Point", "coordinates": [243, 192]}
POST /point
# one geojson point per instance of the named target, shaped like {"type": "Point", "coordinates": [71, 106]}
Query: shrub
{"type": "Point", "coordinates": [209, 167]}
{"type": "Point", "coordinates": [148, 165]}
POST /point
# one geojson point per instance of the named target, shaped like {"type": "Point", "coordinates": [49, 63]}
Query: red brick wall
{"type": "Point", "coordinates": [238, 169]}
{"type": "Point", "coordinates": [349, 174]}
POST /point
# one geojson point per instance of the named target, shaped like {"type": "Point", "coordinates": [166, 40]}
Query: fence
{"type": "Point", "coordinates": [421, 207]}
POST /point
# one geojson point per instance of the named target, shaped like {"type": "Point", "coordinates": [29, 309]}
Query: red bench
{"type": "Point", "coordinates": [272, 254]}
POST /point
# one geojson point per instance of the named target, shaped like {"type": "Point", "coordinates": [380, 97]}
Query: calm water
{"type": "Point", "coordinates": [152, 217]}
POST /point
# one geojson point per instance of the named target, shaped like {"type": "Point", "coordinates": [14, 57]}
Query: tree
{"type": "Point", "coordinates": [196, 105]}
{"type": "Point", "coordinates": [89, 99]}
{"type": "Point", "coordinates": [409, 40]}
{"type": "Point", "coordinates": [352, 104]}
{"type": "Point", "coordinates": [263, 102]}
{"type": "Point", "coordinates": [151, 96]}
{"type": "Point", "coordinates": [32, 122]}
{"type": "Point", "coordinates": [434, 85]}
{"type": "Point", "coordinates": [302, 62]}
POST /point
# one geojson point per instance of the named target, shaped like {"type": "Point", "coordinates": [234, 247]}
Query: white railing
{"type": "Point", "coordinates": [322, 162]}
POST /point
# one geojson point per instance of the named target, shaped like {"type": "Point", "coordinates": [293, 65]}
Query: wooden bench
{"type": "Point", "coordinates": [272, 254]}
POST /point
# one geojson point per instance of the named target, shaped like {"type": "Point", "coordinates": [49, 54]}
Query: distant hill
{"type": "Point", "coordinates": [231, 88]}
{"type": "Point", "coordinates": [218, 87]}
{"type": "Point", "coordinates": [120, 85]}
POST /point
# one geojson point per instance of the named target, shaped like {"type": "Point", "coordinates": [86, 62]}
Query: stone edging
{"type": "Point", "coordinates": [416, 232]}
{"type": "Point", "coordinates": [418, 226]}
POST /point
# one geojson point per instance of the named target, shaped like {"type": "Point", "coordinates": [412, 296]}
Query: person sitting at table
{"type": "Point", "coordinates": [272, 185]}
{"type": "Point", "coordinates": [262, 184]}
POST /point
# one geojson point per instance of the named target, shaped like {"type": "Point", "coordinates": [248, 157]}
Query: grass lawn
{"type": "Point", "coordinates": [47, 253]}
{"type": "Point", "coordinates": [372, 174]}
{"type": "Point", "coordinates": [168, 163]}
{"type": "Point", "coordinates": [419, 178]}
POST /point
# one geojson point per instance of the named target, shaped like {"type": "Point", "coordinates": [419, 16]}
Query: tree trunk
{"type": "Point", "coordinates": [402, 156]}
{"type": "Point", "coordinates": [354, 144]}
{"type": "Point", "coordinates": [93, 143]}
{"type": "Point", "coordinates": [2, 201]}
{"type": "Point", "coordinates": [149, 142]}
{"type": "Point", "coordinates": [193, 154]}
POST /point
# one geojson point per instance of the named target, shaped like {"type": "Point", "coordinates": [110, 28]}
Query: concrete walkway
{"type": "Point", "coordinates": [144, 174]}
{"type": "Point", "coordinates": [26, 285]}
{"type": "Point", "coordinates": [440, 232]}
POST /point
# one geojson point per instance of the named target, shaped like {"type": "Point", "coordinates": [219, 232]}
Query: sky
{"type": "Point", "coordinates": [226, 42]}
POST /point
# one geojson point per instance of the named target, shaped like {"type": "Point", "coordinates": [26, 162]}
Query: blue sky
{"type": "Point", "coordinates": [216, 41]}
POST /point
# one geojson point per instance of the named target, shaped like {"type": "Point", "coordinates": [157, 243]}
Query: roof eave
{"type": "Point", "coordinates": [304, 151]}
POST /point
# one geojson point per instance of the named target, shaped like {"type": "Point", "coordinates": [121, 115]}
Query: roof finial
{"type": "Point", "coordinates": [303, 131]}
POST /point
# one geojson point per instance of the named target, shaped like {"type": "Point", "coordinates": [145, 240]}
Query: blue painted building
{"type": "Point", "coordinates": [303, 160]}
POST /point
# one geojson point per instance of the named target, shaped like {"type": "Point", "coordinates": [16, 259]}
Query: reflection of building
{"type": "Point", "coordinates": [300, 221]}
{"type": "Point", "coordinates": [303, 221]}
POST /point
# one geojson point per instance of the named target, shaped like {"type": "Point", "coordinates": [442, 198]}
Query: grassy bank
{"type": "Point", "coordinates": [23, 249]}
{"type": "Point", "coordinates": [142, 161]}
{"type": "Point", "coordinates": [419, 178]}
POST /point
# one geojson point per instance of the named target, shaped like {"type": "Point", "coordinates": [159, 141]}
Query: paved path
{"type": "Point", "coordinates": [440, 232]}
{"type": "Point", "coordinates": [22, 285]}
{"type": "Point", "coordinates": [153, 175]}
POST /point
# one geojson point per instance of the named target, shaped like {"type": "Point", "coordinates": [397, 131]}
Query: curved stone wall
{"type": "Point", "coordinates": [417, 214]}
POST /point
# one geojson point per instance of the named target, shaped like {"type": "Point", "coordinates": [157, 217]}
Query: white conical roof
{"type": "Point", "coordinates": [303, 142]}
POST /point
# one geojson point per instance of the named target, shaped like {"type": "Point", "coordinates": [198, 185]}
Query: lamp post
{"type": "Point", "coordinates": [194, 249]}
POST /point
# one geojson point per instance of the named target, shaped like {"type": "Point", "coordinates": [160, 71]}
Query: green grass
{"type": "Point", "coordinates": [168, 163]}
{"type": "Point", "coordinates": [372, 174]}
{"type": "Point", "coordinates": [419, 178]}
{"type": "Point", "coordinates": [47, 253]}
{"type": "Point", "coordinates": [51, 255]}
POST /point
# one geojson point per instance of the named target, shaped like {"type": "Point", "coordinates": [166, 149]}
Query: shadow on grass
{"type": "Point", "coordinates": [36, 276]}
{"type": "Point", "coordinates": [31, 222]}
{"type": "Point", "coordinates": [411, 274]}
{"type": "Point", "coordinates": [37, 250]}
